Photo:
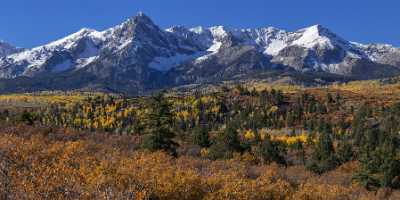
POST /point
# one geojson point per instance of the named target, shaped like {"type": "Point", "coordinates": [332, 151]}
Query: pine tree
{"type": "Point", "coordinates": [254, 92]}
{"type": "Point", "coordinates": [329, 98]}
{"type": "Point", "coordinates": [323, 158]}
{"type": "Point", "coordinates": [201, 136]}
{"type": "Point", "coordinates": [379, 154]}
{"type": "Point", "coordinates": [300, 152]}
{"type": "Point", "coordinates": [358, 125]}
{"type": "Point", "coordinates": [289, 119]}
{"type": "Point", "coordinates": [27, 117]}
{"type": "Point", "coordinates": [390, 165]}
{"type": "Point", "coordinates": [264, 98]}
{"type": "Point", "coordinates": [271, 151]}
{"type": "Point", "coordinates": [158, 125]}
{"type": "Point", "coordinates": [226, 143]}
{"type": "Point", "coordinates": [231, 138]}
{"type": "Point", "coordinates": [344, 151]}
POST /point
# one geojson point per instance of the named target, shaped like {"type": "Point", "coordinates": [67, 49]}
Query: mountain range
{"type": "Point", "coordinates": [138, 56]}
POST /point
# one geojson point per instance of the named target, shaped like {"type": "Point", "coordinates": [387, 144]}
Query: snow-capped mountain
{"type": "Point", "coordinates": [381, 53]}
{"type": "Point", "coordinates": [7, 49]}
{"type": "Point", "coordinates": [137, 55]}
{"type": "Point", "coordinates": [72, 51]}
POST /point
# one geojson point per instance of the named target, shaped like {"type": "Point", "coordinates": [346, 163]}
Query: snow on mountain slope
{"type": "Point", "coordinates": [381, 53]}
{"type": "Point", "coordinates": [6, 49]}
{"type": "Point", "coordinates": [70, 41]}
{"type": "Point", "coordinates": [271, 40]}
{"type": "Point", "coordinates": [166, 63]}
{"type": "Point", "coordinates": [311, 37]}
{"type": "Point", "coordinates": [78, 48]}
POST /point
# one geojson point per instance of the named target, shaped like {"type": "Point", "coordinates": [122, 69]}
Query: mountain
{"type": "Point", "coordinates": [7, 49]}
{"type": "Point", "coordinates": [138, 56]}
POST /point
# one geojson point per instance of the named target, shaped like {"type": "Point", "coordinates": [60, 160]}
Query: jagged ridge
{"type": "Point", "coordinates": [142, 56]}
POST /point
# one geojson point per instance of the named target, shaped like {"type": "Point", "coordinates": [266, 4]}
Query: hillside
{"type": "Point", "coordinates": [251, 141]}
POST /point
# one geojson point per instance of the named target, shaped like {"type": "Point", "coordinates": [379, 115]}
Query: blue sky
{"type": "Point", "coordinates": [27, 23]}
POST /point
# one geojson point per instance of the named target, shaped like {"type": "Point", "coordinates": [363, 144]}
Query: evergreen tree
{"type": "Point", "coordinates": [323, 158]}
{"type": "Point", "coordinates": [300, 152]}
{"type": "Point", "coordinates": [329, 98]}
{"type": "Point", "coordinates": [379, 154]}
{"type": "Point", "coordinates": [27, 118]}
{"type": "Point", "coordinates": [289, 119]}
{"type": "Point", "coordinates": [271, 151]}
{"type": "Point", "coordinates": [201, 136]}
{"type": "Point", "coordinates": [254, 92]}
{"type": "Point", "coordinates": [231, 138]}
{"type": "Point", "coordinates": [358, 124]}
{"type": "Point", "coordinates": [264, 98]}
{"type": "Point", "coordinates": [158, 124]}
{"type": "Point", "coordinates": [390, 165]}
{"type": "Point", "coordinates": [344, 151]}
{"type": "Point", "coordinates": [226, 143]}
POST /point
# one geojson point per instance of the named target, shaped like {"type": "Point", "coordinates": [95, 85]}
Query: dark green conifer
{"type": "Point", "coordinates": [158, 124]}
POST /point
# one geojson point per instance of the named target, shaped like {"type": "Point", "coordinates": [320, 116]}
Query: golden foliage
{"type": "Point", "coordinates": [60, 166]}
{"type": "Point", "coordinates": [290, 140]}
{"type": "Point", "coordinates": [42, 99]}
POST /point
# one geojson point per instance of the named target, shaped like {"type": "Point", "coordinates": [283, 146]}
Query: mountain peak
{"type": "Point", "coordinates": [6, 48]}
{"type": "Point", "coordinates": [142, 18]}
{"type": "Point", "coordinates": [220, 31]}
{"type": "Point", "coordinates": [323, 31]}
{"type": "Point", "coordinates": [70, 39]}
{"type": "Point", "coordinates": [317, 26]}
{"type": "Point", "coordinates": [139, 20]}
{"type": "Point", "coordinates": [139, 24]}
{"type": "Point", "coordinates": [318, 35]}
{"type": "Point", "coordinates": [316, 29]}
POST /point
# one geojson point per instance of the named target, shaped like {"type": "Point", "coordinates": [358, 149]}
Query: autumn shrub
{"type": "Point", "coordinates": [63, 164]}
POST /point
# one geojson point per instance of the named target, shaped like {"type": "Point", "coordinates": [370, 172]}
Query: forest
{"type": "Point", "coordinates": [235, 142]}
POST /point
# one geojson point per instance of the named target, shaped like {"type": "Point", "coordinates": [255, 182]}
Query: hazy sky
{"type": "Point", "coordinates": [27, 23]}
